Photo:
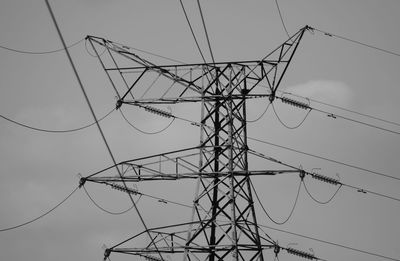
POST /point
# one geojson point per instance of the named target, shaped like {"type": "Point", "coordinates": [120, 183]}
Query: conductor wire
{"type": "Point", "coordinates": [38, 53]}
{"type": "Point", "coordinates": [41, 216]}
{"type": "Point", "coordinates": [146, 132]}
{"type": "Point", "coordinates": [103, 209]}
{"type": "Point", "coordinates": [262, 114]}
{"type": "Point", "coordinates": [281, 17]}
{"type": "Point", "coordinates": [327, 159]}
{"type": "Point", "coordinates": [347, 110]}
{"type": "Point", "coordinates": [357, 42]}
{"type": "Point", "coordinates": [54, 131]}
{"type": "Point", "coordinates": [319, 201]}
{"type": "Point", "coordinates": [287, 126]}
{"type": "Point", "coordinates": [265, 211]}
{"type": "Point", "coordinates": [332, 115]}
{"type": "Point", "coordinates": [191, 30]}
{"type": "Point", "coordinates": [98, 125]}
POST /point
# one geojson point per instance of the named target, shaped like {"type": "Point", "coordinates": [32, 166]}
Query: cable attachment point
{"type": "Point", "coordinates": [300, 253]}
{"type": "Point", "coordinates": [82, 182]}
{"type": "Point", "coordinates": [271, 97]}
{"type": "Point", "coordinates": [160, 112]}
{"type": "Point", "coordinates": [107, 253]}
{"type": "Point", "coordinates": [309, 28]}
{"type": "Point", "coordinates": [277, 249]}
{"type": "Point", "coordinates": [302, 174]}
{"type": "Point", "coordinates": [119, 104]}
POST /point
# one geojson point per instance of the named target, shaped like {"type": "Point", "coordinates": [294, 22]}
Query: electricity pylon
{"type": "Point", "coordinates": [224, 222]}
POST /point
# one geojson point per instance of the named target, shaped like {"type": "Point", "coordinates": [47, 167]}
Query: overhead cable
{"type": "Point", "coordinates": [146, 132]}
{"type": "Point", "coordinates": [265, 211]}
{"type": "Point", "coordinates": [325, 179]}
{"type": "Point", "coordinates": [51, 130]}
{"type": "Point", "coordinates": [331, 243]}
{"type": "Point", "coordinates": [334, 116]}
{"type": "Point", "coordinates": [206, 32]}
{"type": "Point", "coordinates": [356, 42]}
{"type": "Point", "coordinates": [317, 200]}
{"type": "Point", "coordinates": [95, 118]}
{"type": "Point", "coordinates": [136, 192]}
{"type": "Point", "coordinates": [191, 30]}
{"type": "Point", "coordinates": [345, 109]}
{"type": "Point", "coordinates": [336, 182]}
{"type": "Point", "coordinates": [102, 208]}
{"type": "Point", "coordinates": [286, 125]}
{"type": "Point", "coordinates": [329, 114]}
{"type": "Point", "coordinates": [43, 52]}
{"type": "Point", "coordinates": [42, 215]}
{"type": "Point", "coordinates": [366, 191]}
{"type": "Point", "coordinates": [281, 17]}
{"type": "Point", "coordinates": [326, 159]}
{"type": "Point", "coordinates": [261, 115]}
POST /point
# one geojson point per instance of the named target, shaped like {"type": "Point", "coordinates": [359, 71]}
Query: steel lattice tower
{"type": "Point", "coordinates": [224, 224]}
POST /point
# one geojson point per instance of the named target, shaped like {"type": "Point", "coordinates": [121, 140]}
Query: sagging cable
{"type": "Point", "coordinates": [321, 178]}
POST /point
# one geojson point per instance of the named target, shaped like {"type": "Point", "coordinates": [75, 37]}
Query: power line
{"type": "Point", "coordinates": [326, 159]}
{"type": "Point", "coordinates": [340, 184]}
{"type": "Point", "coordinates": [41, 216]}
{"type": "Point", "coordinates": [95, 119]}
{"type": "Point", "coordinates": [55, 131]}
{"type": "Point", "coordinates": [191, 30]}
{"type": "Point", "coordinates": [262, 114]}
{"type": "Point", "coordinates": [319, 201]}
{"type": "Point", "coordinates": [323, 179]}
{"type": "Point", "coordinates": [141, 194]}
{"type": "Point", "coordinates": [331, 243]}
{"type": "Point", "coordinates": [356, 42]}
{"type": "Point", "coordinates": [102, 208]}
{"type": "Point", "coordinates": [287, 126]}
{"type": "Point", "coordinates": [344, 109]}
{"type": "Point", "coordinates": [206, 32]}
{"type": "Point", "coordinates": [166, 201]}
{"type": "Point", "coordinates": [265, 211]}
{"type": "Point", "coordinates": [281, 17]}
{"type": "Point", "coordinates": [146, 132]}
{"type": "Point", "coordinates": [334, 116]}
{"type": "Point", "coordinates": [370, 192]}
{"type": "Point", "coordinates": [44, 52]}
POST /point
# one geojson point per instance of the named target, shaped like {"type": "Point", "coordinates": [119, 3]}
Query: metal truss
{"type": "Point", "coordinates": [224, 223]}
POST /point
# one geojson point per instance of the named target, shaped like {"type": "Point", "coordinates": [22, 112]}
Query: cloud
{"type": "Point", "coordinates": [333, 92]}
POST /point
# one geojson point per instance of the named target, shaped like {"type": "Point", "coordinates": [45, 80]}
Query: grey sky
{"type": "Point", "coordinates": [38, 170]}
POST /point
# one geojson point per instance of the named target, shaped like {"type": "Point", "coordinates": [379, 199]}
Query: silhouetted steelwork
{"type": "Point", "coordinates": [224, 222]}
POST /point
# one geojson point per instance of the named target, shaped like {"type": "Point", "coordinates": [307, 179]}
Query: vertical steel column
{"type": "Point", "coordinates": [235, 253]}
